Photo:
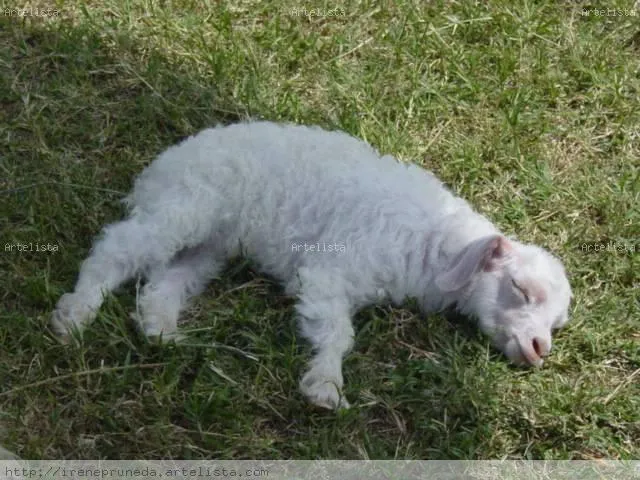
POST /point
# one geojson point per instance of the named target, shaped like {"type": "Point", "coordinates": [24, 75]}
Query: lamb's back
{"type": "Point", "coordinates": [281, 162]}
{"type": "Point", "coordinates": [279, 185]}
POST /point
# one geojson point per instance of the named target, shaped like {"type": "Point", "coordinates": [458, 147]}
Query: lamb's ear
{"type": "Point", "coordinates": [484, 254]}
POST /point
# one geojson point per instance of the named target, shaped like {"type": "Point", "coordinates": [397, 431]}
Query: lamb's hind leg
{"type": "Point", "coordinates": [125, 249]}
{"type": "Point", "coordinates": [169, 288]}
{"type": "Point", "coordinates": [325, 320]}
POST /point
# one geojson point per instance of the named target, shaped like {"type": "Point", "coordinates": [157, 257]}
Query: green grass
{"type": "Point", "coordinates": [530, 110]}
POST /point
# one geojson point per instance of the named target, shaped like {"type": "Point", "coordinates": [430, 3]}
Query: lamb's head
{"type": "Point", "coordinates": [519, 293]}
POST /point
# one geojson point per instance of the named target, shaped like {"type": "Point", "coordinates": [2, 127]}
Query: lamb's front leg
{"type": "Point", "coordinates": [324, 317]}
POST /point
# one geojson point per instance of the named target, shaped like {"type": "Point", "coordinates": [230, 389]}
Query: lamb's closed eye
{"type": "Point", "coordinates": [521, 291]}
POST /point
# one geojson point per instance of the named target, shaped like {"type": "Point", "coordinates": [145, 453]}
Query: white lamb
{"type": "Point", "coordinates": [341, 226]}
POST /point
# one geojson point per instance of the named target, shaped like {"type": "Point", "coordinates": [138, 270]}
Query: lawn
{"type": "Point", "coordinates": [530, 110]}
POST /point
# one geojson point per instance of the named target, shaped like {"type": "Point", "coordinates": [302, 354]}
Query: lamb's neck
{"type": "Point", "coordinates": [441, 247]}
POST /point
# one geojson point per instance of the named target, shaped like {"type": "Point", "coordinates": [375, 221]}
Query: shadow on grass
{"type": "Point", "coordinates": [83, 114]}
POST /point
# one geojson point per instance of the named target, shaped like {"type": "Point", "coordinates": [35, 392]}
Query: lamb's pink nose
{"type": "Point", "coordinates": [540, 346]}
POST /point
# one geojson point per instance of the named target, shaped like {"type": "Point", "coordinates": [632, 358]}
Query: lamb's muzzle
{"type": "Point", "coordinates": [269, 189]}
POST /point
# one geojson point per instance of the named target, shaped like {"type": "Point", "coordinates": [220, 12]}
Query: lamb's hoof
{"type": "Point", "coordinates": [71, 311]}
{"type": "Point", "coordinates": [165, 337]}
{"type": "Point", "coordinates": [7, 455]}
{"type": "Point", "coordinates": [323, 392]}
{"type": "Point", "coordinates": [158, 327]}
